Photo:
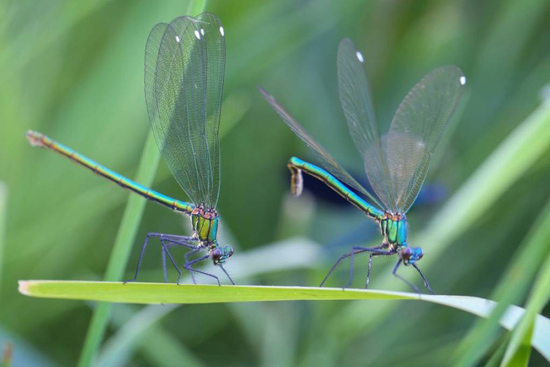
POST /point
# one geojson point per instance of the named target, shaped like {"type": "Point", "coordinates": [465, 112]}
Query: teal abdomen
{"type": "Point", "coordinates": [296, 165]}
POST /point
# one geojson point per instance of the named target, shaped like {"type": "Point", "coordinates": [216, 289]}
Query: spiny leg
{"type": "Point", "coordinates": [173, 238]}
{"type": "Point", "coordinates": [169, 240]}
{"type": "Point", "coordinates": [189, 267]}
{"type": "Point", "coordinates": [226, 273]}
{"type": "Point", "coordinates": [424, 279]}
{"type": "Point", "coordinates": [370, 263]}
{"type": "Point", "coordinates": [187, 261]}
{"type": "Point", "coordinates": [164, 273]}
{"type": "Point", "coordinates": [351, 263]}
{"type": "Point", "coordinates": [334, 267]}
{"type": "Point", "coordinates": [165, 250]}
{"type": "Point", "coordinates": [374, 251]}
{"type": "Point", "coordinates": [186, 242]}
{"type": "Point", "coordinates": [403, 279]}
{"type": "Point", "coordinates": [355, 250]}
{"type": "Point", "coordinates": [141, 256]}
{"type": "Point", "coordinates": [369, 268]}
{"type": "Point", "coordinates": [166, 244]}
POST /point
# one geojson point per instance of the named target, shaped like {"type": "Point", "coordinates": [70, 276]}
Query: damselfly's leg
{"type": "Point", "coordinates": [371, 255]}
{"type": "Point", "coordinates": [189, 267]}
{"type": "Point", "coordinates": [369, 268]}
{"type": "Point", "coordinates": [187, 255]}
{"type": "Point", "coordinates": [355, 250]}
{"type": "Point", "coordinates": [351, 263]}
{"type": "Point", "coordinates": [166, 251]}
{"type": "Point", "coordinates": [187, 261]}
{"type": "Point", "coordinates": [335, 266]}
{"type": "Point", "coordinates": [179, 240]}
{"type": "Point", "coordinates": [168, 240]}
{"type": "Point", "coordinates": [403, 279]}
{"type": "Point", "coordinates": [166, 244]}
{"type": "Point", "coordinates": [379, 252]}
{"type": "Point", "coordinates": [424, 279]}
{"type": "Point", "coordinates": [226, 273]}
{"type": "Point", "coordinates": [164, 273]}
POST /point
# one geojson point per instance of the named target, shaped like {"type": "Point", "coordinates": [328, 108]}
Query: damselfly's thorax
{"type": "Point", "coordinates": [394, 229]}
{"type": "Point", "coordinates": [205, 224]}
{"type": "Point", "coordinates": [205, 229]}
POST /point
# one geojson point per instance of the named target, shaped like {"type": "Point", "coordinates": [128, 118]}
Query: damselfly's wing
{"type": "Point", "coordinates": [214, 34]}
{"type": "Point", "coordinates": [417, 128]}
{"type": "Point", "coordinates": [327, 161]}
{"type": "Point", "coordinates": [356, 103]}
{"type": "Point", "coordinates": [184, 73]}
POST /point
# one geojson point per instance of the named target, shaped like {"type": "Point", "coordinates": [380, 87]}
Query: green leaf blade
{"type": "Point", "coordinates": [161, 293]}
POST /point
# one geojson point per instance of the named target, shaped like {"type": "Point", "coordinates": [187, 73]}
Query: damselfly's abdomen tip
{"type": "Point", "coordinates": [296, 179]}
{"type": "Point", "coordinates": [35, 138]}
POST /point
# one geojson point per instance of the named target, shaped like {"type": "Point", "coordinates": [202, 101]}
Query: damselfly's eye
{"type": "Point", "coordinates": [227, 251]}
{"type": "Point", "coordinates": [406, 254]}
{"type": "Point", "coordinates": [216, 254]}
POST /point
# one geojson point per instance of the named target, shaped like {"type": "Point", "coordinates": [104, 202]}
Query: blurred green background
{"type": "Point", "coordinates": [74, 70]}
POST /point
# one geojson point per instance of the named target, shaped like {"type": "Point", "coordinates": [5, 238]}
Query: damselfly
{"type": "Point", "coordinates": [395, 163]}
{"type": "Point", "coordinates": [184, 75]}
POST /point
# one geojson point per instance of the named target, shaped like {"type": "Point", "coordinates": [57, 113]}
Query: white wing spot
{"type": "Point", "coordinates": [222, 32]}
{"type": "Point", "coordinates": [198, 35]}
{"type": "Point", "coordinates": [359, 57]}
{"type": "Point", "coordinates": [202, 31]}
{"type": "Point", "coordinates": [463, 80]}
{"type": "Point", "coordinates": [178, 40]}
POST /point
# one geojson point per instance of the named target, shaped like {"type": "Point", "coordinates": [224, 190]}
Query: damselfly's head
{"type": "Point", "coordinates": [410, 255]}
{"type": "Point", "coordinates": [220, 254]}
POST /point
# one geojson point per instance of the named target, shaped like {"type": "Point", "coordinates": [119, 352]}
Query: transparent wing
{"type": "Point", "coordinates": [356, 103]}
{"type": "Point", "coordinates": [417, 128]}
{"type": "Point", "coordinates": [214, 34]}
{"type": "Point", "coordinates": [327, 161]}
{"type": "Point", "coordinates": [184, 71]}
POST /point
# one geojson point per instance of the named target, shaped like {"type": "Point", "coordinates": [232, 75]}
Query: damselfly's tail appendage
{"type": "Point", "coordinates": [296, 180]}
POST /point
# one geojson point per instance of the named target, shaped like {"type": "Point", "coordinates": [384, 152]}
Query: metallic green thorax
{"type": "Point", "coordinates": [205, 229]}
{"type": "Point", "coordinates": [205, 224]}
{"type": "Point", "coordinates": [394, 229]}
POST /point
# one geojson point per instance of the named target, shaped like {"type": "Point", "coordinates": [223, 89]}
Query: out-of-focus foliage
{"type": "Point", "coordinates": [74, 70]}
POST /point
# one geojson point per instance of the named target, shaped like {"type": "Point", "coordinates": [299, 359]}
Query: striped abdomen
{"type": "Point", "coordinates": [296, 166]}
{"type": "Point", "coordinates": [42, 141]}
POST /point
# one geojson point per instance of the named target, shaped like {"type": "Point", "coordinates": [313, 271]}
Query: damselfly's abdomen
{"type": "Point", "coordinates": [296, 166]}
{"type": "Point", "coordinates": [296, 179]}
